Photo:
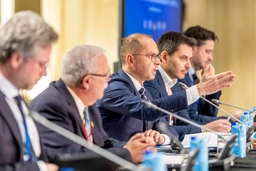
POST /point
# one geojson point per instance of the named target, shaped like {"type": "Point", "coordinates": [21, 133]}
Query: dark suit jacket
{"type": "Point", "coordinates": [122, 112]}
{"type": "Point", "coordinates": [58, 106]}
{"type": "Point", "coordinates": [11, 145]}
{"type": "Point", "coordinates": [204, 108]}
{"type": "Point", "coordinates": [157, 89]}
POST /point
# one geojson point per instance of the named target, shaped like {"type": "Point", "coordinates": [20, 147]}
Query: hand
{"type": "Point", "coordinates": [138, 144]}
{"type": "Point", "coordinates": [237, 115]}
{"type": "Point", "coordinates": [207, 73]}
{"type": "Point", "coordinates": [51, 167]}
{"type": "Point", "coordinates": [212, 84]}
{"type": "Point", "coordinates": [221, 125]}
{"type": "Point", "coordinates": [158, 138]}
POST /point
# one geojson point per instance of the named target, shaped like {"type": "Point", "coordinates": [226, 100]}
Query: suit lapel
{"type": "Point", "coordinates": [123, 75]}
{"type": "Point", "coordinates": [64, 91]}
{"type": "Point", "coordinates": [8, 116]}
{"type": "Point", "coordinates": [161, 83]}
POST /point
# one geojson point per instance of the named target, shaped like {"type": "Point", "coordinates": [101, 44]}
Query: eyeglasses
{"type": "Point", "coordinates": [153, 56]}
{"type": "Point", "coordinates": [107, 75]}
{"type": "Point", "coordinates": [100, 75]}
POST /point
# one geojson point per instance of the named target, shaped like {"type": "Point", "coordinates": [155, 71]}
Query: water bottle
{"type": "Point", "coordinates": [154, 161]}
{"type": "Point", "coordinates": [239, 147]}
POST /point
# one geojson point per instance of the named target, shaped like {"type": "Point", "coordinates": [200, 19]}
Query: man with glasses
{"type": "Point", "coordinates": [69, 102]}
{"type": "Point", "coordinates": [25, 47]}
{"type": "Point", "coordinates": [122, 112]}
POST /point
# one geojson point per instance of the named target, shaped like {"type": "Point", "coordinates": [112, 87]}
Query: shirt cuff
{"type": "Point", "coordinates": [167, 140]}
{"type": "Point", "coordinates": [192, 94]}
{"type": "Point", "coordinates": [42, 166]}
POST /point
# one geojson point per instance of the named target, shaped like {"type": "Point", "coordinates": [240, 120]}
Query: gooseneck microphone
{"type": "Point", "coordinates": [184, 86]}
{"type": "Point", "coordinates": [175, 142]}
{"type": "Point", "coordinates": [153, 106]}
{"type": "Point", "coordinates": [79, 140]}
{"type": "Point", "coordinates": [220, 102]}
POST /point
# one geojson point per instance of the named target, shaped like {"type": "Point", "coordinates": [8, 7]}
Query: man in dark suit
{"type": "Point", "coordinates": [176, 50]}
{"type": "Point", "coordinates": [25, 47]}
{"type": "Point", "coordinates": [202, 55]}
{"type": "Point", "coordinates": [69, 102]}
{"type": "Point", "coordinates": [122, 113]}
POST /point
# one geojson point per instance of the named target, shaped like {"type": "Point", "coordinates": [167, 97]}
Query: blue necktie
{"type": "Point", "coordinates": [144, 97]}
{"type": "Point", "coordinates": [87, 122]}
{"type": "Point", "coordinates": [28, 147]}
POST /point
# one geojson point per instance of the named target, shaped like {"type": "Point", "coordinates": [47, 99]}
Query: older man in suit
{"type": "Point", "coordinates": [69, 102]}
{"type": "Point", "coordinates": [122, 113]}
{"type": "Point", "coordinates": [25, 47]}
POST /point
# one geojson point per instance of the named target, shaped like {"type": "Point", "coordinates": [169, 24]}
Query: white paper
{"type": "Point", "coordinates": [211, 139]}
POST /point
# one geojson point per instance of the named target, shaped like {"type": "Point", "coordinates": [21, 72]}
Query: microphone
{"type": "Point", "coordinates": [153, 106]}
{"type": "Point", "coordinates": [175, 142]}
{"type": "Point", "coordinates": [220, 102]}
{"type": "Point", "coordinates": [79, 140]}
{"type": "Point", "coordinates": [184, 86]}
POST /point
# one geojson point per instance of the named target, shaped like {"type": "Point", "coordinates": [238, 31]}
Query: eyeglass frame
{"type": "Point", "coordinates": [97, 75]}
{"type": "Point", "coordinates": [152, 56]}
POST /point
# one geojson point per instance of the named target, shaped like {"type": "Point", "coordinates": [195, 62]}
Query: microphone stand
{"type": "Point", "coordinates": [79, 140]}
{"type": "Point", "coordinates": [151, 105]}
{"type": "Point", "coordinates": [219, 102]}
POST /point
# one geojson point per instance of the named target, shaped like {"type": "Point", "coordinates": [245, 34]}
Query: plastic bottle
{"type": "Point", "coordinates": [239, 147]}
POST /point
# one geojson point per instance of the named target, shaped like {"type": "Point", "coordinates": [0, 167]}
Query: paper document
{"type": "Point", "coordinates": [210, 138]}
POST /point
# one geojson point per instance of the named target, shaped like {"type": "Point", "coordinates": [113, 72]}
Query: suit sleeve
{"type": "Point", "coordinates": [206, 108]}
{"type": "Point", "coordinates": [120, 98]}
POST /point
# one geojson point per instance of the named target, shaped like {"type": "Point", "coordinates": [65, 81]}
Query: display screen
{"type": "Point", "coordinates": [152, 17]}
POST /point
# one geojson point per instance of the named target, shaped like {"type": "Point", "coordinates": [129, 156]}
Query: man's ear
{"type": "Point", "coordinates": [194, 49]}
{"type": "Point", "coordinates": [164, 56]}
{"type": "Point", "coordinates": [86, 82]}
{"type": "Point", "coordinates": [16, 60]}
{"type": "Point", "coordinates": [130, 60]}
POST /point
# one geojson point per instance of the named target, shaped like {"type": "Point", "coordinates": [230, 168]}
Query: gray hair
{"type": "Point", "coordinates": [79, 61]}
{"type": "Point", "coordinates": [24, 33]}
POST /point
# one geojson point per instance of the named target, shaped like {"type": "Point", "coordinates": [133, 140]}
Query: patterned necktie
{"type": "Point", "coordinates": [29, 152]}
{"type": "Point", "coordinates": [144, 97]}
{"type": "Point", "coordinates": [87, 123]}
{"type": "Point", "coordinates": [142, 93]}
{"type": "Point", "coordinates": [196, 81]}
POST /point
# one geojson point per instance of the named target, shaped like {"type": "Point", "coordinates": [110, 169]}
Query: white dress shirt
{"type": "Point", "coordinates": [10, 91]}
{"type": "Point", "coordinates": [192, 92]}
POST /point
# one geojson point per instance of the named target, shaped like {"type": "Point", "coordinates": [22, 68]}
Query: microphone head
{"type": "Point", "coordinates": [148, 104]}
{"type": "Point", "coordinates": [175, 143]}
{"type": "Point", "coordinates": [184, 86]}
{"type": "Point", "coordinates": [216, 101]}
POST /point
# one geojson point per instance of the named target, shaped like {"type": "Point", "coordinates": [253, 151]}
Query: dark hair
{"type": "Point", "coordinates": [131, 44]}
{"type": "Point", "coordinates": [170, 42]}
{"type": "Point", "coordinates": [200, 34]}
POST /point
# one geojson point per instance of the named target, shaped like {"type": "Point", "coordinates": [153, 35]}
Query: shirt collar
{"type": "Point", "coordinates": [7, 88]}
{"type": "Point", "coordinates": [191, 71]}
{"type": "Point", "coordinates": [79, 104]}
{"type": "Point", "coordinates": [135, 82]}
{"type": "Point", "coordinates": [166, 78]}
